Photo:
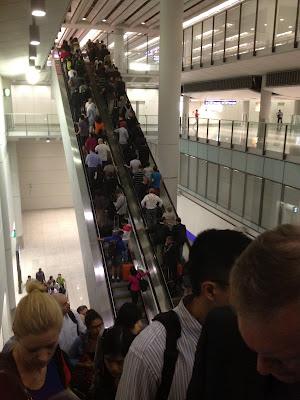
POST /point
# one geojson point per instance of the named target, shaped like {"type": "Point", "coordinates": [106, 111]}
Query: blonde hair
{"type": "Point", "coordinates": [37, 312]}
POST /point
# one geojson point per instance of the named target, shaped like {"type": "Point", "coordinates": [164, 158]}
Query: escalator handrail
{"type": "Point", "coordinates": [90, 196]}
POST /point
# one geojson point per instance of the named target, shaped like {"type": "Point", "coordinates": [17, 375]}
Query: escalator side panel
{"type": "Point", "coordinates": [98, 290]}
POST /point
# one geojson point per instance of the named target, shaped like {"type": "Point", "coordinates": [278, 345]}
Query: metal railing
{"type": "Point", "coordinates": [32, 124]}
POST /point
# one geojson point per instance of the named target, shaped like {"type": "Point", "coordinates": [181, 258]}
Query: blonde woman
{"type": "Point", "coordinates": [35, 368]}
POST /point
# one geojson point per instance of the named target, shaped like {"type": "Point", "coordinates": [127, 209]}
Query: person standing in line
{"type": "Point", "coordinates": [179, 235]}
{"type": "Point", "coordinates": [40, 276]}
{"type": "Point", "coordinates": [145, 374]}
{"type": "Point", "coordinates": [134, 283]}
{"type": "Point", "coordinates": [150, 202]}
{"type": "Point", "coordinates": [83, 129]}
{"type": "Point", "coordinates": [155, 180]}
{"type": "Point", "coordinates": [103, 152]}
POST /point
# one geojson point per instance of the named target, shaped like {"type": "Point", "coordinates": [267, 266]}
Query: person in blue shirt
{"type": "Point", "coordinates": [155, 180]}
{"type": "Point", "coordinates": [118, 250]}
{"type": "Point", "coordinates": [93, 162]}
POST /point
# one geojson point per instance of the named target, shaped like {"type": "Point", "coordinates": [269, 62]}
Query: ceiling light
{"type": "Point", "coordinates": [38, 8]}
{"type": "Point", "coordinates": [47, 140]}
{"type": "Point", "coordinates": [34, 34]}
{"type": "Point", "coordinates": [104, 20]}
{"type": "Point", "coordinates": [252, 29]}
{"type": "Point", "coordinates": [143, 23]}
{"type": "Point", "coordinates": [281, 19]}
{"type": "Point", "coordinates": [291, 26]}
{"type": "Point", "coordinates": [265, 24]}
{"type": "Point", "coordinates": [32, 76]}
{"type": "Point", "coordinates": [84, 19]}
{"type": "Point", "coordinates": [32, 52]}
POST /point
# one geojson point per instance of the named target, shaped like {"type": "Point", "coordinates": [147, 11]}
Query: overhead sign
{"type": "Point", "coordinates": [220, 102]}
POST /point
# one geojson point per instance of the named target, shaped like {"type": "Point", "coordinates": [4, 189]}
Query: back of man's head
{"type": "Point", "coordinates": [213, 255]}
{"type": "Point", "coordinates": [267, 275]}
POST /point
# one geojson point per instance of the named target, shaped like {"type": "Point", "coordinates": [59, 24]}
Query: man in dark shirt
{"type": "Point", "coordinates": [40, 276]}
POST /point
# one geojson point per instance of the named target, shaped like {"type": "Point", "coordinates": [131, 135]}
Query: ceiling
{"type": "Point", "coordinates": [15, 18]}
{"type": "Point", "coordinates": [140, 16]}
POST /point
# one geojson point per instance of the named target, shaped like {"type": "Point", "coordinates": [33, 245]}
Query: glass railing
{"type": "Point", "coordinates": [32, 124]}
{"type": "Point", "coordinates": [272, 139]}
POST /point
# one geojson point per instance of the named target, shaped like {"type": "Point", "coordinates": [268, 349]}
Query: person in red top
{"type": "Point", "coordinates": [90, 143]}
{"type": "Point", "coordinates": [134, 283]}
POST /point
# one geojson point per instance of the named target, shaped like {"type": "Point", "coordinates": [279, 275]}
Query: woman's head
{"type": "Point", "coordinates": [130, 317]}
{"type": "Point", "coordinates": [93, 322]}
{"type": "Point", "coordinates": [37, 324]}
{"type": "Point", "coordinates": [133, 271]}
{"type": "Point", "coordinates": [115, 345]}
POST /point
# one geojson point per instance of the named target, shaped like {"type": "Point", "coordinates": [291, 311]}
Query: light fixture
{"type": "Point", "coordinates": [104, 20]}
{"type": "Point", "coordinates": [252, 29]}
{"type": "Point", "coordinates": [6, 92]}
{"type": "Point", "coordinates": [34, 34]}
{"type": "Point", "coordinates": [38, 8]}
{"type": "Point", "coordinates": [32, 76]}
{"type": "Point", "coordinates": [143, 23]}
{"type": "Point", "coordinates": [32, 52]}
{"type": "Point", "coordinates": [84, 19]}
{"type": "Point", "coordinates": [290, 26]}
{"type": "Point", "coordinates": [48, 140]}
{"type": "Point", "coordinates": [265, 24]}
{"type": "Point", "coordinates": [281, 19]}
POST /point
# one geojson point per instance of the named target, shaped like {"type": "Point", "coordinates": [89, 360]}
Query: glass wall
{"type": "Point", "coordinates": [260, 201]}
{"type": "Point", "coordinates": [232, 31]}
{"type": "Point", "coordinates": [271, 204]}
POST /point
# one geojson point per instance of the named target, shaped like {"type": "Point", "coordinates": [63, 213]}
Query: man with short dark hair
{"type": "Point", "coordinates": [40, 276]}
{"type": "Point", "coordinates": [265, 286]}
{"type": "Point", "coordinates": [209, 270]}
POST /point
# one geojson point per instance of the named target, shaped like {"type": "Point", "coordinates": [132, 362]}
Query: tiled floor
{"type": "Point", "coordinates": [51, 242]}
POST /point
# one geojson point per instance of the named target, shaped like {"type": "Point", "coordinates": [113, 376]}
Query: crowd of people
{"type": "Point", "coordinates": [52, 285]}
{"type": "Point", "coordinates": [109, 200]}
{"type": "Point", "coordinates": [236, 337]}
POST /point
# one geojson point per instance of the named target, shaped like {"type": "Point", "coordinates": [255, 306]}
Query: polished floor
{"type": "Point", "coordinates": [51, 242]}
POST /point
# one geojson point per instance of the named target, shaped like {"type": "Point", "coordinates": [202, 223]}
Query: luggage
{"type": "Point", "coordinates": [126, 267]}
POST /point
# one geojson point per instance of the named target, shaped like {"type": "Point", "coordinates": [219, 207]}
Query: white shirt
{"type": "Point", "coordinates": [134, 165]}
{"type": "Point", "coordinates": [69, 333]}
{"type": "Point", "coordinates": [143, 364]}
{"type": "Point", "coordinates": [150, 201]}
{"type": "Point", "coordinates": [123, 135]}
{"type": "Point", "coordinates": [72, 73]}
{"type": "Point", "coordinates": [148, 171]}
{"type": "Point", "coordinates": [102, 149]}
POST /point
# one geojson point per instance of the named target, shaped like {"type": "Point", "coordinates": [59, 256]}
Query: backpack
{"type": "Point", "coordinates": [170, 321]}
{"type": "Point", "coordinates": [73, 319]}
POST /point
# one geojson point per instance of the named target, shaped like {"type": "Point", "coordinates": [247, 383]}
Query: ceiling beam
{"type": "Point", "coordinates": [109, 28]}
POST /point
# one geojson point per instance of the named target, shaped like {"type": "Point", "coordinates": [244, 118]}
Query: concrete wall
{"type": "Point", "coordinates": [32, 99]}
{"type": "Point", "coordinates": [44, 181]}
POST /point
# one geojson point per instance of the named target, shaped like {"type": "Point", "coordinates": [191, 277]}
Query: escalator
{"type": "Point", "coordinates": [156, 298]}
{"type": "Point", "coordinates": [134, 204]}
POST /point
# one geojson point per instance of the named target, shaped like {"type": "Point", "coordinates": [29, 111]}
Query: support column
{"type": "Point", "coordinates": [265, 110]}
{"type": "Point", "coordinates": [185, 113]}
{"type": "Point", "coordinates": [246, 110]}
{"type": "Point", "coordinates": [13, 158]}
{"type": "Point", "coordinates": [296, 116]}
{"type": "Point", "coordinates": [119, 47]}
{"type": "Point", "coordinates": [171, 16]}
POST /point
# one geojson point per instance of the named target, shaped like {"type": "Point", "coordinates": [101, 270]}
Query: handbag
{"type": "Point", "coordinates": [144, 285]}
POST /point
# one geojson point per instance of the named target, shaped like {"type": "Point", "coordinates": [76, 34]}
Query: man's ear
{"type": "Point", "coordinates": [208, 290]}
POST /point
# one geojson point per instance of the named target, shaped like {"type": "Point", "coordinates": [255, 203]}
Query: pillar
{"type": "Point", "coordinates": [16, 194]}
{"type": "Point", "coordinates": [171, 16]}
{"type": "Point", "coordinates": [265, 111]}
{"type": "Point", "coordinates": [246, 110]}
{"type": "Point", "coordinates": [296, 116]}
{"type": "Point", "coordinates": [185, 113]}
{"type": "Point", "coordinates": [119, 55]}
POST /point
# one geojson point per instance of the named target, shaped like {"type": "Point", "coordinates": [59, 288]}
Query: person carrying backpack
{"type": "Point", "coordinates": [136, 284]}
{"type": "Point", "coordinates": [160, 361]}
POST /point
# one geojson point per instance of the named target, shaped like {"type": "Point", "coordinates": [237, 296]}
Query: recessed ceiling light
{"type": "Point", "coordinates": [83, 19]}
{"type": "Point", "coordinates": [281, 19]}
{"type": "Point", "coordinates": [104, 20]}
{"type": "Point", "coordinates": [34, 34]}
{"type": "Point", "coordinates": [291, 26]}
{"type": "Point", "coordinates": [265, 24]}
{"type": "Point", "coordinates": [143, 23]}
{"type": "Point", "coordinates": [252, 29]}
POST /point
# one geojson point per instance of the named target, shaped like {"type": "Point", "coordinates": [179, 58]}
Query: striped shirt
{"type": "Point", "coordinates": [144, 362]}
